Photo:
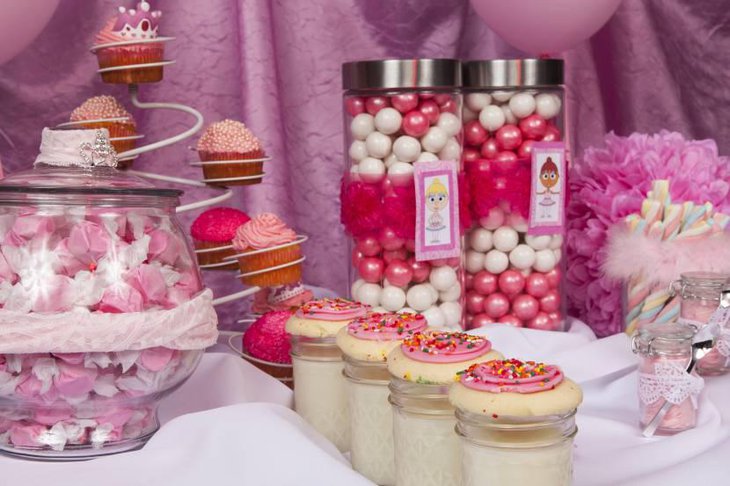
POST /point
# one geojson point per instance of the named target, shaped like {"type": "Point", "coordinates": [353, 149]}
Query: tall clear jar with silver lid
{"type": "Point", "coordinates": [515, 151]}
{"type": "Point", "coordinates": [399, 195]}
{"type": "Point", "coordinates": [700, 294]}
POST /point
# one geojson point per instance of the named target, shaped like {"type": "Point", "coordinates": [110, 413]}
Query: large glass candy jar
{"type": "Point", "coordinates": [102, 312]}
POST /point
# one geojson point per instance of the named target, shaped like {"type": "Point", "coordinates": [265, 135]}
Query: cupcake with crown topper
{"type": "Point", "coordinates": [129, 48]}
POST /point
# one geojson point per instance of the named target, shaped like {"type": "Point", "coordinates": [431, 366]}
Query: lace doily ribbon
{"type": "Point", "coordinates": [671, 382]}
{"type": "Point", "coordinates": [76, 148]}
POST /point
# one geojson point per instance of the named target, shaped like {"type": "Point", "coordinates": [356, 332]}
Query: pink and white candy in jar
{"type": "Point", "coordinates": [512, 257]}
{"type": "Point", "coordinates": [400, 116]}
{"type": "Point", "coordinates": [102, 311]}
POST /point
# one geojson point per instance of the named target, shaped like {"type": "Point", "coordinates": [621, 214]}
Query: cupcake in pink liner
{"type": "Point", "coordinates": [266, 345]}
{"type": "Point", "coordinates": [134, 24]}
{"type": "Point", "coordinates": [281, 297]}
{"type": "Point", "coordinates": [268, 232]}
{"type": "Point", "coordinates": [213, 232]}
{"type": "Point", "coordinates": [228, 141]}
{"type": "Point", "coordinates": [106, 112]}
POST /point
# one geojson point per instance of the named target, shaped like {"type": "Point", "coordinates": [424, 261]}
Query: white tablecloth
{"type": "Point", "coordinates": [230, 425]}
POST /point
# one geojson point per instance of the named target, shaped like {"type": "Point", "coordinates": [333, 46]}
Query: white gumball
{"type": "Point", "coordinates": [371, 170]}
{"type": "Point", "coordinates": [390, 160]}
{"type": "Point", "coordinates": [362, 125]}
{"type": "Point", "coordinates": [392, 298]}
{"type": "Point", "coordinates": [358, 150]}
{"type": "Point", "coordinates": [379, 310]}
{"type": "Point", "coordinates": [434, 292]}
{"type": "Point", "coordinates": [522, 257]}
{"type": "Point", "coordinates": [452, 294]}
{"type": "Point", "coordinates": [407, 310]}
{"type": "Point", "coordinates": [538, 242]}
{"type": "Point", "coordinates": [517, 222]}
{"type": "Point", "coordinates": [480, 239]}
{"type": "Point", "coordinates": [355, 173]}
{"type": "Point", "coordinates": [509, 117]}
{"type": "Point", "coordinates": [449, 123]}
{"type": "Point", "coordinates": [505, 239]}
{"type": "Point", "coordinates": [388, 120]}
{"type": "Point", "coordinates": [378, 145]}
{"type": "Point", "coordinates": [522, 105]}
{"type": "Point", "coordinates": [502, 96]}
{"type": "Point", "coordinates": [547, 105]}
{"type": "Point", "coordinates": [468, 115]}
{"type": "Point", "coordinates": [452, 313]}
{"type": "Point", "coordinates": [369, 294]}
{"type": "Point", "coordinates": [558, 255]}
{"type": "Point", "coordinates": [494, 220]}
{"type": "Point", "coordinates": [355, 287]}
{"type": "Point", "coordinates": [427, 157]}
{"type": "Point", "coordinates": [477, 101]}
{"type": "Point", "coordinates": [474, 261]}
{"type": "Point", "coordinates": [442, 278]}
{"type": "Point", "coordinates": [400, 173]}
{"type": "Point", "coordinates": [544, 261]}
{"type": "Point", "coordinates": [492, 118]}
{"type": "Point", "coordinates": [406, 148]}
{"type": "Point", "coordinates": [556, 242]}
{"type": "Point", "coordinates": [434, 140]}
{"type": "Point", "coordinates": [434, 317]}
{"type": "Point", "coordinates": [496, 261]}
{"type": "Point", "coordinates": [451, 151]}
{"type": "Point", "coordinates": [419, 297]}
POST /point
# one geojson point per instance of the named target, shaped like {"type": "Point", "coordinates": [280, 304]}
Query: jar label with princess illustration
{"type": "Point", "coordinates": [437, 210]}
{"type": "Point", "coordinates": [547, 189]}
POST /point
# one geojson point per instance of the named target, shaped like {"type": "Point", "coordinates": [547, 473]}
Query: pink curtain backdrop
{"type": "Point", "coordinates": [276, 66]}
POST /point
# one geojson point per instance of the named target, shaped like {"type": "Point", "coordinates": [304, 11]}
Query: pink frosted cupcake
{"type": "Point", "coordinates": [268, 243]}
{"type": "Point", "coordinates": [106, 112]}
{"type": "Point", "coordinates": [227, 141]}
{"type": "Point", "coordinates": [138, 24]}
{"type": "Point", "coordinates": [213, 232]}
{"type": "Point", "coordinates": [267, 346]}
{"type": "Point", "coordinates": [281, 297]}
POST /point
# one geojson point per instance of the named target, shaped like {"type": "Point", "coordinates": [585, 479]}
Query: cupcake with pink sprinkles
{"type": "Point", "coordinates": [231, 155]}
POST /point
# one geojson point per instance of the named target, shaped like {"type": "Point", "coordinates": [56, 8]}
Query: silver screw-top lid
{"type": "Point", "coordinates": [506, 73]}
{"type": "Point", "coordinates": [401, 73]}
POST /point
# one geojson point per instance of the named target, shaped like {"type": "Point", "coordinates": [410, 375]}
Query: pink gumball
{"type": "Point", "coordinates": [411, 245]}
{"type": "Point", "coordinates": [496, 305]}
{"type": "Point", "coordinates": [533, 127]}
{"type": "Point", "coordinates": [511, 282]}
{"type": "Point", "coordinates": [525, 149]}
{"type": "Point", "coordinates": [453, 262]}
{"type": "Point", "coordinates": [421, 270]}
{"type": "Point", "coordinates": [553, 278]}
{"type": "Point", "coordinates": [470, 154]}
{"type": "Point", "coordinates": [376, 103]}
{"type": "Point", "coordinates": [481, 320]}
{"type": "Point", "coordinates": [537, 285]}
{"type": "Point", "coordinates": [508, 137]}
{"type": "Point", "coordinates": [439, 262]}
{"type": "Point", "coordinates": [506, 157]}
{"type": "Point", "coordinates": [552, 134]}
{"type": "Point", "coordinates": [469, 281]}
{"type": "Point", "coordinates": [474, 134]}
{"type": "Point", "coordinates": [431, 110]}
{"type": "Point", "coordinates": [511, 320]}
{"type": "Point", "coordinates": [474, 302]}
{"type": "Point", "coordinates": [551, 301]}
{"type": "Point", "coordinates": [485, 283]}
{"type": "Point", "coordinates": [449, 107]}
{"type": "Point", "coordinates": [355, 105]}
{"type": "Point", "coordinates": [404, 102]}
{"type": "Point", "coordinates": [368, 246]}
{"type": "Point", "coordinates": [390, 240]}
{"type": "Point", "coordinates": [357, 257]}
{"type": "Point", "coordinates": [390, 255]}
{"type": "Point", "coordinates": [442, 99]}
{"type": "Point", "coordinates": [469, 321]}
{"type": "Point", "coordinates": [541, 322]}
{"type": "Point", "coordinates": [399, 273]}
{"type": "Point", "coordinates": [490, 149]}
{"type": "Point", "coordinates": [415, 123]}
{"type": "Point", "coordinates": [371, 269]}
{"type": "Point", "coordinates": [525, 307]}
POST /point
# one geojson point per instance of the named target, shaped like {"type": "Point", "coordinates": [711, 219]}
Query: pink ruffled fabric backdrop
{"type": "Point", "coordinates": [276, 66]}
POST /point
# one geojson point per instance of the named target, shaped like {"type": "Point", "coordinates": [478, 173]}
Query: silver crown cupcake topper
{"type": "Point", "coordinates": [100, 153]}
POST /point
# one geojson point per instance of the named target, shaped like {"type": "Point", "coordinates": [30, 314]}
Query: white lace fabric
{"type": "Point", "coordinates": [671, 382]}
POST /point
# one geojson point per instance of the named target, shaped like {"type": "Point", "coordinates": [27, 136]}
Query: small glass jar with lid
{"type": "Point", "coordinates": [665, 351]}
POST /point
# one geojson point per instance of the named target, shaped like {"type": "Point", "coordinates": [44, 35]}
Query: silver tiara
{"type": "Point", "coordinates": [100, 153]}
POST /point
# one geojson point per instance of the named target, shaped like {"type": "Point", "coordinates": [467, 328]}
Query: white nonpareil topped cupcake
{"type": "Point", "coordinates": [323, 318]}
{"type": "Point", "coordinates": [435, 357]}
{"type": "Point", "coordinates": [513, 388]}
{"type": "Point", "coordinates": [372, 337]}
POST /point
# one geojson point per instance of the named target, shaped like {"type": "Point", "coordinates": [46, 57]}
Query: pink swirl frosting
{"type": "Point", "coordinates": [107, 35]}
{"type": "Point", "coordinates": [263, 231]}
{"type": "Point", "coordinates": [332, 310]}
{"type": "Point", "coordinates": [445, 347]}
{"type": "Point", "coordinates": [386, 327]}
{"type": "Point", "coordinates": [511, 376]}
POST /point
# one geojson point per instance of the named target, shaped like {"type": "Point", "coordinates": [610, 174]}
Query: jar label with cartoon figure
{"type": "Point", "coordinates": [437, 210]}
{"type": "Point", "coordinates": [548, 188]}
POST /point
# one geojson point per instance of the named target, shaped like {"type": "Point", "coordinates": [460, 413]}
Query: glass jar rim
{"type": "Point", "coordinates": [513, 73]}
{"type": "Point", "coordinates": [660, 339]}
{"type": "Point", "coordinates": [401, 73]}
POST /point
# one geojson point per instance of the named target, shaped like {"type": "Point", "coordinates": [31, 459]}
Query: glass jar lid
{"type": "Point", "coordinates": [660, 339]}
{"type": "Point", "coordinates": [702, 285]}
{"type": "Point", "coordinates": [78, 167]}
{"type": "Point", "coordinates": [401, 73]}
{"type": "Point", "coordinates": [513, 73]}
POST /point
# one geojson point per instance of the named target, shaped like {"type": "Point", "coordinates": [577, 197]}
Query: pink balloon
{"type": "Point", "coordinates": [474, 302]}
{"type": "Point", "coordinates": [20, 24]}
{"type": "Point", "coordinates": [421, 270]}
{"type": "Point", "coordinates": [496, 305]}
{"type": "Point", "coordinates": [371, 269]}
{"type": "Point", "coordinates": [399, 273]}
{"type": "Point", "coordinates": [545, 26]}
{"type": "Point", "coordinates": [485, 283]}
{"type": "Point", "coordinates": [525, 307]}
{"type": "Point", "coordinates": [511, 282]}
{"type": "Point", "coordinates": [390, 255]}
{"type": "Point", "coordinates": [390, 240]}
{"type": "Point", "coordinates": [368, 246]}
{"type": "Point", "coordinates": [481, 320]}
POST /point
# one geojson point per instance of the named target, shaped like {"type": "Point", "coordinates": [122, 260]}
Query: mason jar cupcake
{"type": "Point", "coordinates": [320, 393]}
{"type": "Point", "coordinates": [422, 368]}
{"type": "Point", "coordinates": [516, 421]}
{"type": "Point", "coordinates": [366, 343]}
